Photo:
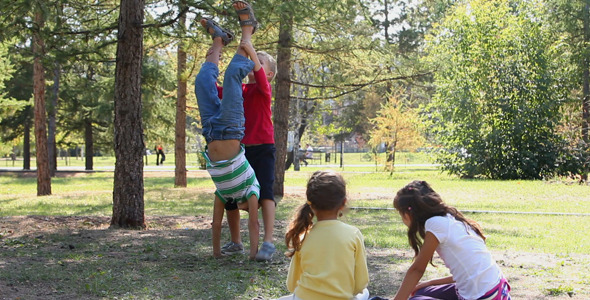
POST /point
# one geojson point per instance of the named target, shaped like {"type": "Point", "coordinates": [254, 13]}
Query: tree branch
{"type": "Point", "coordinates": [364, 83]}
{"type": "Point", "coordinates": [355, 86]}
{"type": "Point", "coordinates": [169, 22]}
{"type": "Point", "coordinates": [116, 26]}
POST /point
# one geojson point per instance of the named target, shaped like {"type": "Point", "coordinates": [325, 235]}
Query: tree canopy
{"type": "Point", "coordinates": [500, 82]}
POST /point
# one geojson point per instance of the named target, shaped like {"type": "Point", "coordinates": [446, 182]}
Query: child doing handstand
{"type": "Point", "coordinates": [328, 258]}
{"type": "Point", "coordinates": [223, 129]}
{"type": "Point", "coordinates": [259, 144]}
{"type": "Point", "coordinates": [460, 243]}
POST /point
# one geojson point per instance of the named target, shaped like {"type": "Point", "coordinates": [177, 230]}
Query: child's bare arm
{"type": "Point", "coordinates": [253, 225]}
{"type": "Point", "coordinates": [251, 52]}
{"type": "Point", "coordinates": [218, 210]}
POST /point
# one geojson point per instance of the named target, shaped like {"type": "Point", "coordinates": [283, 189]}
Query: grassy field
{"type": "Point", "coordinates": [365, 160]}
{"type": "Point", "coordinates": [65, 250]}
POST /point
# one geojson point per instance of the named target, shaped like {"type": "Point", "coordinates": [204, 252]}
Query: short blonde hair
{"type": "Point", "coordinates": [272, 63]}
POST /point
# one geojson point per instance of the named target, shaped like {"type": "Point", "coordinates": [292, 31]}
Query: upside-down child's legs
{"type": "Point", "coordinates": [214, 53]}
{"type": "Point", "coordinates": [205, 87]}
{"type": "Point", "coordinates": [246, 30]}
{"type": "Point", "coordinates": [219, 149]}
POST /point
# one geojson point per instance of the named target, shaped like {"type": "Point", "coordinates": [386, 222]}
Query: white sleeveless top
{"type": "Point", "coordinates": [465, 254]}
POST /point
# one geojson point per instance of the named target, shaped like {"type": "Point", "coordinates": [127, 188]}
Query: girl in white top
{"type": "Point", "coordinates": [460, 243]}
{"type": "Point", "coordinates": [328, 259]}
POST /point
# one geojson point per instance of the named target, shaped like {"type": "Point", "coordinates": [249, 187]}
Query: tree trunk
{"type": "Point", "coordinates": [180, 139]}
{"type": "Point", "coordinates": [128, 203]}
{"type": "Point", "coordinates": [89, 144]}
{"type": "Point", "coordinates": [88, 135]}
{"type": "Point", "coordinates": [43, 174]}
{"type": "Point", "coordinates": [27, 142]}
{"type": "Point", "coordinates": [282, 99]}
{"type": "Point", "coordinates": [51, 144]}
{"type": "Point", "coordinates": [586, 88]}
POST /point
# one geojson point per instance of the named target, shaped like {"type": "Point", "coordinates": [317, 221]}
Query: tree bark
{"type": "Point", "coordinates": [89, 144]}
{"type": "Point", "coordinates": [43, 174]}
{"type": "Point", "coordinates": [51, 144]}
{"type": "Point", "coordinates": [282, 99]}
{"type": "Point", "coordinates": [27, 142]}
{"type": "Point", "coordinates": [88, 135]}
{"type": "Point", "coordinates": [586, 88]}
{"type": "Point", "coordinates": [128, 203]}
{"type": "Point", "coordinates": [180, 139]}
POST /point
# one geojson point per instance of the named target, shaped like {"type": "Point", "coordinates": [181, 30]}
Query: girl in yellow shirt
{"type": "Point", "coordinates": [328, 259]}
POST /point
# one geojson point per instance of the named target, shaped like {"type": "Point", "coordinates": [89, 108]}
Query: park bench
{"type": "Point", "coordinates": [316, 157]}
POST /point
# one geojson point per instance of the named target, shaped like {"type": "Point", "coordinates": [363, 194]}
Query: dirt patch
{"type": "Point", "coordinates": [532, 275]}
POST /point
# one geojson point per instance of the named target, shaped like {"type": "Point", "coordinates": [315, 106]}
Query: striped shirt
{"type": "Point", "coordinates": [235, 179]}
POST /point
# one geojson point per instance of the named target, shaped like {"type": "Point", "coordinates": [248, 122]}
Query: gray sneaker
{"type": "Point", "coordinates": [231, 248]}
{"type": "Point", "coordinates": [266, 251]}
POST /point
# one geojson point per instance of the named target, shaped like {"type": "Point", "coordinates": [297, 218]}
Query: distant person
{"type": "Point", "coordinates": [157, 155]}
{"type": "Point", "coordinates": [328, 259]}
{"type": "Point", "coordinates": [309, 152]}
{"type": "Point", "coordinates": [460, 243]}
{"type": "Point", "coordinates": [302, 156]}
{"type": "Point", "coordinates": [160, 154]}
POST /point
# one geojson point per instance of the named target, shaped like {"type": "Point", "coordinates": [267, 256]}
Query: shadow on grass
{"type": "Point", "coordinates": [172, 260]}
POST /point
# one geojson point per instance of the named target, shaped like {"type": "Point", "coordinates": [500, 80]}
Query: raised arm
{"type": "Point", "coordinates": [251, 52]}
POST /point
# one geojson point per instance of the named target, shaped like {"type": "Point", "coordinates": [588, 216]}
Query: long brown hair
{"type": "Point", "coordinates": [326, 190]}
{"type": "Point", "coordinates": [421, 202]}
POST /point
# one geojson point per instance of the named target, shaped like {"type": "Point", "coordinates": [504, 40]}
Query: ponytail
{"type": "Point", "coordinates": [326, 191]}
{"type": "Point", "coordinates": [298, 229]}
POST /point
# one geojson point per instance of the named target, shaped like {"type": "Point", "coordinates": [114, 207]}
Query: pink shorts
{"type": "Point", "coordinates": [499, 292]}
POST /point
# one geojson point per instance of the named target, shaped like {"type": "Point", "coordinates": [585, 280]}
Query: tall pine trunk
{"type": "Point", "coordinates": [128, 203]}
{"type": "Point", "coordinates": [282, 99]}
{"type": "Point", "coordinates": [586, 88]}
{"type": "Point", "coordinates": [43, 174]}
{"type": "Point", "coordinates": [180, 138]}
{"type": "Point", "coordinates": [88, 135]}
{"type": "Point", "coordinates": [27, 141]}
{"type": "Point", "coordinates": [89, 144]}
{"type": "Point", "coordinates": [51, 144]}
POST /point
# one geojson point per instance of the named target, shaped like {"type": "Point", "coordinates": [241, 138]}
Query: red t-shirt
{"type": "Point", "coordinates": [257, 110]}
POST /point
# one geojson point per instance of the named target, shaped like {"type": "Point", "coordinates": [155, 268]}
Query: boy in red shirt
{"type": "Point", "coordinates": [259, 144]}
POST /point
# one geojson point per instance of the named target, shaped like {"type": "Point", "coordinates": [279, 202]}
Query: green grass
{"type": "Point", "coordinates": [367, 160]}
{"type": "Point", "coordinates": [174, 261]}
{"type": "Point", "coordinates": [92, 195]}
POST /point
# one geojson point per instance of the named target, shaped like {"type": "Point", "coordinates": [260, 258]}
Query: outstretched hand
{"type": "Point", "coordinates": [248, 48]}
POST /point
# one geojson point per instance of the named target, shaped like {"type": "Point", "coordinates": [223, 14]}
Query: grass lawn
{"type": "Point", "coordinates": [60, 247]}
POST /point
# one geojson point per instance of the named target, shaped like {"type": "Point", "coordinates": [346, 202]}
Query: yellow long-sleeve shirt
{"type": "Point", "coordinates": [331, 264]}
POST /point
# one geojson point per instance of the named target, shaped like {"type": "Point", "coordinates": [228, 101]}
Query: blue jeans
{"type": "Point", "coordinates": [222, 119]}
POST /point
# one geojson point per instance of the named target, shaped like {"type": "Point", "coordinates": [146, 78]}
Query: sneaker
{"type": "Point", "coordinates": [231, 248]}
{"type": "Point", "coordinates": [266, 251]}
